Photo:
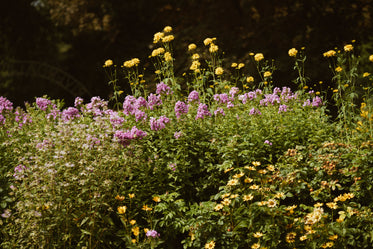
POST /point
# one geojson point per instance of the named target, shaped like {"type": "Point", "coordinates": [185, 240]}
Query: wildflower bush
{"type": "Point", "coordinates": [217, 158]}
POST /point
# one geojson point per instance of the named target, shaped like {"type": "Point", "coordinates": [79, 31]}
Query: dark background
{"type": "Point", "coordinates": [58, 47]}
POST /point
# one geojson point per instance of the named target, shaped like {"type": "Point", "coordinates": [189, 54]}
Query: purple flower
{"type": "Point", "coordinates": [193, 96]}
{"type": "Point", "coordinates": [267, 142]}
{"type": "Point", "coordinates": [172, 166]}
{"type": "Point", "coordinates": [316, 101]}
{"type": "Point", "coordinates": [78, 102]}
{"type": "Point", "coordinates": [152, 233]}
{"type": "Point", "coordinates": [70, 113]}
{"type": "Point", "coordinates": [140, 102]}
{"type": "Point", "coordinates": [126, 137]}
{"type": "Point", "coordinates": [116, 120]}
{"type": "Point", "coordinates": [181, 108]}
{"type": "Point", "coordinates": [97, 106]}
{"type": "Point", "coordinates": [234, 90]}
{"type": "Point", "coordinates": [18, 171]}
{"type": "Point", "coordinates": [7, 213]}
{"type": "Point", "coordinates": [282, 108]}
{"type": "Point", "coordinates": [5, 104]}
{"type": "Point", "coordinates": [154, 100]}
{"type": "Point", "coordinates": [219, 110]}
{"type": "Point", "coordinates": [129, 105]}
{"type": "Point", "coordinates": [202, 111]}
{"type": "Point", "coordinates": [158, 124]}
{"type": "Point", "coordinates": [43, 103]}
{"type": "Point", "coordinates": [270, 98]}
{"type": "Point", "coordinates": [163, 88]}
{"type": "Point", "coordinates": [178, 134]}
{"type": "Point", "coordinates": [221, 98]}
{"type": "Point", "coordinates": [140, 115]}
{"type": "Point", "coordinates": [254, 111]}
{"type": "Point", "coordinates": [307, 103]}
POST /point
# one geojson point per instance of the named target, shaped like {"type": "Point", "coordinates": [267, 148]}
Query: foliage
{"type": "Point", "coordinates": [225, 160]}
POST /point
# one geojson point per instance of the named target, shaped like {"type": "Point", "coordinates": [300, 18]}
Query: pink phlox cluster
{"type": "Point", "coordinates": [125, 137]}
{"type": "Point", "coordinates": [254, 111]}
{"type": "Point", "coordinates": [116, 120]}
{"type": "Point", "coordinates": [22, 118]}
{"type": "Point", "coordinates": [202, 111]}
{"type": "Point", "coordinates": [178, 134]}
{"type": "Point", "coordinates": [282, 108]}
{"type": "Point", "coordinates": [158, 124]}
{"type": "Point", "coordinates": [154, 100]}
{"type": "Point", "coordinates": [70, 113]}
{"type": "Point", "coordinates": [249, 95]}
{"type": "Point", "coordinates": [43, 103]}
{"type": "Point", "coordinates": [152, 233]}
{"type": "Point", "coordinates": [181, 108]}
{"type": "Point", "coordinates": [163, 88]}
{"type": "Point", "coordinates": [233, 91]}
{"type": "Point", "coordinates": [219, 111]}
{"type": "Point", "coordinates": [19, 172]}
{"type": "Point", "coordinates": [193, 96]}
{"type": "Point", "coordinates": [97, 106]}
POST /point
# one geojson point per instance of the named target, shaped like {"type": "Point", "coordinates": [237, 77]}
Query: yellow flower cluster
{"type": "Point", "coordinates": [250, 79]}
{"type": "Point", "coordinates": [167, 29]}
{"type": "Point", "coordinates": [338, 69]}
{"type": "Point", "coordinates": [167, 56]}
{"type": "Point", "coordinates": [210, 245]}
{"type": "Point", "coordinates": [237, 66]}
{"type": "Point", "coordinates": [122, 209]}
{"type": "Point", "coordinates": [136, 231]}
{"type": "Point", "coordinates": [146, 208]}
{"type": "Point", "coordinates": [293, 52]}
{"type": "Point", "coordinates": [195, 66]}
{"type": "Point", "coordinates": [258, 57]}
{"type": "Point", "coordinates": [208, 41]}
{"type": "Point", "coordinates": [131, 63]}
{"type": "Point", "coordinates": [108, 63]}
{"type": "Point", "coordinates": [157, 37]}
{"type": "Point", "coordinates": [213, 48]}
{"type": "Point", "coordinates": [168, 38]}
{"type": "Point", "coordinates": [348, 48]}
{"type": "Point", "coordinates": [371, 58]}
{"type": "Point", "coordinates": [219, 71]}
{"type": "Point", "coordinates": [157, 52]}
{"type": "Point", "coordinates": [330, 53]}
{"type": "Point", "coordinates": [267, 74]}
{"type": "Point", "coordinates": [344, 197]}
{"type": "Point", "coordinates": [119, 198]}
{"type": "Point", "coordinates": [192, 46]}
{"type": "Point", "coordinates": [160, 36]}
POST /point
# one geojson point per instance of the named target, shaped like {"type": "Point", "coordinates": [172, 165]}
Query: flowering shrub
{"type": "Point", "coordinates": [212, 164]}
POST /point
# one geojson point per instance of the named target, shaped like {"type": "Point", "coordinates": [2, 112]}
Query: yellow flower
{"type": "Point", "coordinates": [293, 52]}
{"type": "Point", "coordinates": [232, 182]}
{"type": "Point", "coordinates": [234, 196]}
{"type": "Point", "coordinates": [330, 53]}
{"type": "Point", "coordinates": [131, 196]}
{"type": "Point", "coordinates": [168, 38]}
{"type": "Point", "coordinates": [279, 195]}
{"type": "Point", "coordinates": [317, 93]}
{"type": "Point", "coordinates": [271, 168]}
{"type": "Point", "coordinates": [290, 237]}
{"type": "Point", "coordinates": [226, 202]}
{"type": "Point", "coordinates": [133, 241]}
{"type": "Point", "coordinates": [218, 207]}
{"type": "Point", "coordinates": [225, 195]}
{"type": "Point", "coordinates": [132, 222]}
{"type": "Point", "coordinates": [258, 235]}
{"type": "Point", "coordinates": [146, 208]}
{"type": "Point", "coordinates": [210, 245]}
{"type": "Point", "coordinates": [156, 199]}
{"type": "Point", "coordinates": [272, 203]}
{"type": "Point", "coordinates": [239, 175]}
{"type": "Point", "coordinates": [136, 231]}
{"type": "Point", "coordinates": [157, 52]}
{"type": "Point", "coordinates": [146, 230]}
{"type": "Point", "coordinates": [192, 46]}
{"type": "Point", "coordinates": [119, 198]}
{"type": "Point", "coordinates": [234, 65]}
{"type": "Point", "coordinates": [255, 246]}
{"type": "Point", "coordinates": [219, 71]}
{"type": "Point", "coordinates": [241, 65]}
{"type": "Point", "coordinates": [248, 180]}
{"type": "Point", "coordinates": [207, 41]}
{"type": "Point", "coordinates": [319, 204]}
{"type": "Point", "coordinates": [248, 197]}
{"type": "Point", "coordinates": [254, 187]}
{"type": "Point", "coordinates": [267, 74]}
{"type": "Point", "coordinates": [371, 57]}
{"type": "Point", "coordinates": [250, 79]}
{"type": "Point", "coordinates": [213, 48]}
{"type": "Point", "coordinates": [122, 209]}
{"type": "Point", "coordinates": [195, 56]}
{"type": "Point", "coordinates": [167, 29]}
{"type": "Point", "coordinates": [335, 90]}
{"type": "Point", "coordinates": [167, 56]}
{"type": "Point", "coordinates": [258, 57]}
{"type": "Point", "coordinates": [345, 85]}
{"type": "Point", "coordinates": [305, 87]}
{"type": "Point", "coordinates": [108, 63]}
{"type": "Point", "coordinates": [157, 37]}
{"type": "Point", "coordinates": [157, 71]}
{"type": "Point", "coordinates": [131, 63]}
{"type": "Point", "coordinates": [332, 205]}
{"type": "Point", "coordinates": [366, 74]}
{"type": "Point", "coordinates": [302, 238]}
{"type": "Point", "coordinates": [348, 48]}
{"type": "Point", "coordinates": [195, 65]}
{"type": "Point", "coordinates": [333, 237]}
{"type": "Point", "coordinates": [338, 69]}
{"type": "Point", "coordinates": [256, 163]}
